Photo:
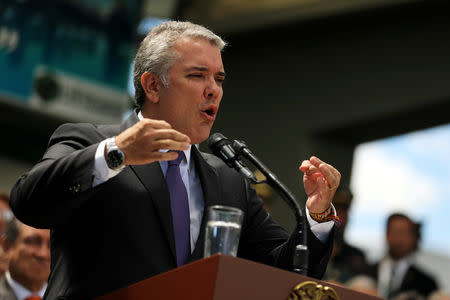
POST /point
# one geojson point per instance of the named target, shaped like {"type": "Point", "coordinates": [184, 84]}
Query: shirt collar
{"type": "Point", "coordinates": [187, 152]}
{"type": "Point", "coordinates": [21, 291]}
{"type": "Point", "coordinates": [409, 259]}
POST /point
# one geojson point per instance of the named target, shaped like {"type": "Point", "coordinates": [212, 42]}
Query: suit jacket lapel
{"type": "Point", "coordinates": [6, 290]}
{"type": "Point", "coordinates": [408, 279]}
{"type": "Point", "coordinates": [211, 195]}
{"type": "Point", "coordinates": [153, 179]}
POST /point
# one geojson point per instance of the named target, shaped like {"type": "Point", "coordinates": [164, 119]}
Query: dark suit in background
{"type": "Point", "coordinates": [120, 232]}
{"type": "Point", "coordinates": [414, 280]}
{"type": "Point", "coordinates": [6, 291]}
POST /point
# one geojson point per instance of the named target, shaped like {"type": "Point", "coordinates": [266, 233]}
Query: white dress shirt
{"type": "Point", "coordinates": [21, 291]}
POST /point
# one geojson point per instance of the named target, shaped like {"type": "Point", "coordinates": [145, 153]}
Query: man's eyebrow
{"type": "Point", "coordinates": [203, 69]}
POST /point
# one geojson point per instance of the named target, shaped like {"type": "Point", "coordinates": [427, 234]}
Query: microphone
{"type": "Point", "coordinates": [300, 258]}
{"type": "Point", "coordinates": [222, 148]}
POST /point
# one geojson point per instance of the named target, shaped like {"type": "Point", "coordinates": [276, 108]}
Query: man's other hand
{"type": "Point", "coordinates": [320, 181]}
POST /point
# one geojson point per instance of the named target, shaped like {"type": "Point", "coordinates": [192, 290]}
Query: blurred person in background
{"type": "Point", "coordinates": [5, 216]}
{"type": "Point", "coordinates": [28, 253]}
{"type": "Point", "coordinates": [5, 212]}
{"type": "Point", "coordinates": [346, 260]}
{"type": "Point", "coordinates": [397, 274]}
{"type": "Point", "coordinates": [409, 295]}
{"type": "Point", "coordinates": [439, 295]}
{"type": "Point", "coordinates": [363, 284]}
{"type": "Point", "coordinates": [264, 191]}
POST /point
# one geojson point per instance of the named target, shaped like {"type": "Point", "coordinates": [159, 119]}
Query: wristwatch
{"type": "Point", "coordinates": [115, 158]}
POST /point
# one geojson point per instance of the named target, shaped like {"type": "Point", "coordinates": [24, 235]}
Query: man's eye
{"type": "Point", "coordinates": [196, 75]}
{"type": "Point", "coordinates": [32, 241]}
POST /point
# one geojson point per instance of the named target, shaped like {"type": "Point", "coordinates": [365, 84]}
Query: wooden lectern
{"type": "Point", "coordinates": [223, 277]}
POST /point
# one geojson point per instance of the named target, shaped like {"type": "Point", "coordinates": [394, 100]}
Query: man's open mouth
{"type": "Point", "coordinates": [210, 111]}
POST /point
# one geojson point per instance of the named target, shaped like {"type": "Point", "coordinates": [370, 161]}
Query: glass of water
{"type": "Point", "coordinates": [223, 229]}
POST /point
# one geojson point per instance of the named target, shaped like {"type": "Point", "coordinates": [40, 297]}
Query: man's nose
{"type": "Point", "coordinates": [213, 89]}
{"type": "Point", "coordinates": [43, 252]}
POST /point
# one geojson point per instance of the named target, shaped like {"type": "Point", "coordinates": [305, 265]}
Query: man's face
{"type": "Point", "coordinates": [400, 238]}
{"type": "Point", "coordinates": [30, 256]}
{"type": "Point", "coordinates": [4, 213]}
{"type": "Point", "coordinates": [191, 102]}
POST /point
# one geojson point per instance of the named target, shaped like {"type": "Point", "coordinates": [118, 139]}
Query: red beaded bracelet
{"type": "Point", "coordinates": [325, 216]}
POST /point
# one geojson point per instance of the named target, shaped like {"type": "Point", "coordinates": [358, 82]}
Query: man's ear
{"type": "Point", "coordinates": [5, 243]}
{"type": "Point", "coordinates": [151, 85]}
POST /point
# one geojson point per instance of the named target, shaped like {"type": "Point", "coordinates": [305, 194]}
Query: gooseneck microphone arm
{"type": "Point", "coordinates": [229, 153]}
{"type": "Point", "coordinates": [300, 259]}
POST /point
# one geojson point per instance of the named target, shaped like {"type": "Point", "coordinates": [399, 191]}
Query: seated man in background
{"type": "Point", "coordinates": [264, 191]}
{"type": "Point", "coordinates": [346, 260]}
{"type": "Point", "coordinates": [28, 252]}
{"type": "Point", "coordinates": [397, 272]}
{"type": "Point", "coordinates": [5, 216]}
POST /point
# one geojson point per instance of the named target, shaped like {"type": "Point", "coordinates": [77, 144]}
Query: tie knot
{"type": "Point", "coordinates": [178, 160]}
{"type": "Point", "coordinates": [33, 298]}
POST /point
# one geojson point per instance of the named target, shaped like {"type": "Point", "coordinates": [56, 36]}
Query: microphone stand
{"type": "Point", "coordinates": [300, 258]}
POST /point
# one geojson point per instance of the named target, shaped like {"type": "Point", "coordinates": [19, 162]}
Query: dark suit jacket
{"type": "Point", "coordinates": [415, 280]}
{"type": "Point", "coordinates": [120, 232]}
{"type": "Point", "coordinates": [6, 291]}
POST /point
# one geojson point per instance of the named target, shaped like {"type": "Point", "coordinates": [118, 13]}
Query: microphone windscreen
{"type": "Point", "coordinates": [215, 138]}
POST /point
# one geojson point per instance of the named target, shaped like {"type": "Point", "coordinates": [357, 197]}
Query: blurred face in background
{"type": "Point", "coordinates": [5, 217]}
{"type": "Point", "coordinates": [401, 238]}
{"type": "Point", "coordinates": [29, 257]}
{"type": "Point", "coordinates": [5, 214]}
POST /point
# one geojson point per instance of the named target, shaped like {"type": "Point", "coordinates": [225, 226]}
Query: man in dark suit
{"type": "Point", "coordinates": [103, 190]}
{"type": "Point", "coordinates": [397, 272]}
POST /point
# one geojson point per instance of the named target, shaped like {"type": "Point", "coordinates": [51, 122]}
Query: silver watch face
{"type": "Point", "coordinates": [115, 158]}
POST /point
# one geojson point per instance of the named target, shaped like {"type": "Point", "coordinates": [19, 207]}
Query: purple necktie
{"type": "Point", "coordinates": [180, 209]}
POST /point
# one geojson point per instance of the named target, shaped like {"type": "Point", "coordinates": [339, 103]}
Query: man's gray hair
{"type": "Point", "coordinates": [156, 55]}
{"type": "Point", "coordinates": [13, 230]}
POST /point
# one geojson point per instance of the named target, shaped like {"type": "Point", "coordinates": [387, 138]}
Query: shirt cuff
{"type": "Point", "coordinates": [320, 230]}
{"type": "Point", "coordinates": [101, 171]}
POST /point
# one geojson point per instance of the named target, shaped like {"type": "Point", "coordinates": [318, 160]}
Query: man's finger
{"type": "Point", "coordinates": [331, 175]}
{"type": "Point", "coordinates": [168, 134]}
{"type": "Point", "coordinates": [161, 156]}
{"type": "Point", "coordinates": [324, 167]}
{"type": "Point", "coordinates": [169, 144]}
{"type": "Point", "coordinates": [304, 167]}
{"type": "Point", "coordinates": [156, 124]}
{"type": "Point", "coordinates": [312, 170]}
